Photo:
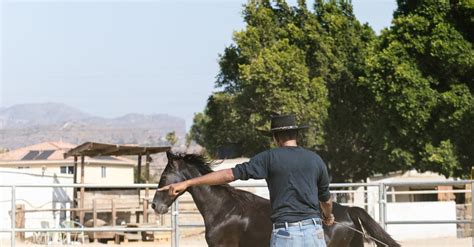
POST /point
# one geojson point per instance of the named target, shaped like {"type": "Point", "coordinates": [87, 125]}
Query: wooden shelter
{"type": "Point", "coordinates": [94, 149]}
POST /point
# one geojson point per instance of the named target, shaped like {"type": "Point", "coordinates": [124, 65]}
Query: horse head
{"type": "Point", "coordinates": [178, 169]}
{"type": "Point", "coordinates": [173, 173]}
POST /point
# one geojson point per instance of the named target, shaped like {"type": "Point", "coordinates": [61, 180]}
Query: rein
{"type": "Point", "coordinates": [362, 233]}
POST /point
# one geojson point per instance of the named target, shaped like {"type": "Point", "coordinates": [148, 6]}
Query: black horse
{"type": "Point", "coordinates": [234, 217]}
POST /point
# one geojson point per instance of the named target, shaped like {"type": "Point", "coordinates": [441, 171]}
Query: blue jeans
{"type": "Point", "coordinates": [296, 236]}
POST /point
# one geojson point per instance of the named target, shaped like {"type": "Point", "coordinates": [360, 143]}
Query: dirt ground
{"type": "Point", "coordinates": [194, 237]}
{"type": "Point", "coordinates": [197, 241]}
{"type": "Point", "coordinates": [451, 242]}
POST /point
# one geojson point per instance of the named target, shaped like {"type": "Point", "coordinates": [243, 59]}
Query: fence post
{"type": "Point", "coordinates": [94, 218]}
{"type": "Point", "coordinates": [68, 205]}
{"type": "Point", "coordinates": [173, 228]}
{"type": "Point", "coordinates": [20, 221]}
{"type": "Point", "coordinates": [13, 216]}
{"type": "Point", "coordinates": [472, 212]}
{"type": "Point", "coordinates": [114, 212]}
{"type": "Point", "coordinates": [175, 224]}
{"type": "Point", "coordinates": [384, 207]}
{"type": "Point", "coordinates": [145, 210]}
{"type": "Point", "coordinates": [381, 205]}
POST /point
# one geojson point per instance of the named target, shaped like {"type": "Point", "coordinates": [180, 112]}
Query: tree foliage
{"type": "Point", "coordinates": [346, 146]}
{"type": "Point", "coordinates": [420, 76]}
{"type": "Point", "coordinates": [399, 101]}
{"type": "Point", "coordinates": [265, 72]}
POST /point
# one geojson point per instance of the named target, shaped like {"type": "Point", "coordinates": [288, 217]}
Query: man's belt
{"type": "Point", "coordinates": [298, 223]}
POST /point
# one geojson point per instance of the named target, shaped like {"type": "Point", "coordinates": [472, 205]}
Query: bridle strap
{"type": "Point", "coordinates": [362, 233]}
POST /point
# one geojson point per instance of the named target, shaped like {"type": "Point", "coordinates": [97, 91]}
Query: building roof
{"type": "Point", "coordinates": [52, 152]}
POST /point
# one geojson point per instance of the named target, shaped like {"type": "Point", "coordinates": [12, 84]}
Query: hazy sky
{"type": "Point", "coordinates": [110, 58]}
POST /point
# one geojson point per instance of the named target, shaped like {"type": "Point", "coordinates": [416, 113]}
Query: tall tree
{"type": "Point", "coordinates": [285, 61]}
{"type": "Point", "coordinates": [421, 81]}
{"type": "Point", "coordinates": [266, 71]}
{"type": "Point", "coordinates": [346, 145]}
{"type": "Point", "coordinates": [399, 101]}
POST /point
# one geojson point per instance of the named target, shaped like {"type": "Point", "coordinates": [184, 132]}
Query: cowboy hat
{"type": "Point", "coordinates": [282, 123]}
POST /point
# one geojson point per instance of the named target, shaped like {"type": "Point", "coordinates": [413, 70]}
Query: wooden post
{"type": "Point", "coordinates": [133, 216]}
{"type": "Point", "coordinates": [75, 169]}
{"type": "Point", "coordinates": [114, 213]}
{"type": "Point", "coordinates": [20, 221]}
{"type": "Point", "coordinates": [445, 197]}
{"type": "Point", "coordinates": [94, 217]}
{"type": "Point", "coordinates": [139, 169]}
{"type": "Point", "coordinates": [139, 178]}
{"type": "Point", "coordinates": [81, 213]}
{"type": "Point", "coordinates": [145, 210]}
{"type": "Point", "coordinates": [74, 196]}
{"type": "Point", "coordinates": [469, 229]}
{"type": "Point", "coordinates": [147, 194]}
{"type": "Point", "coordinates": [147, 168]}
{"type": "Point", "coordinates": [82, 168]}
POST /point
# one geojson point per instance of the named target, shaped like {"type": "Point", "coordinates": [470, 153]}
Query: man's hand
{"type": "Point", "coordinates": [175, 189]}
{"type": "Point", "coordinates": [328, 217]}
{"type": "Point", "coordinates": [328, 220]}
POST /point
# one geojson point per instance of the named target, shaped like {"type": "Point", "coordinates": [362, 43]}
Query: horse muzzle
{"type": "Point", "coordinates": [159, 208]}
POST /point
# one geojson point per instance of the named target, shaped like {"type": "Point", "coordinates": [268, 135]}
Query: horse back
{"type": "Point", "coordinates": [245, 221]}
{"type": "Point", "coordinates": [257, 211]}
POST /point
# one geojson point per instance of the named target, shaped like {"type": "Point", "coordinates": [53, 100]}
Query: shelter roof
{"type": "Point", "coordinates": [93, 149]}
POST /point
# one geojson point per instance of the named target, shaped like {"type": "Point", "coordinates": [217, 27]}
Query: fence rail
{"type": "Point", "coordinates": [174, 229]}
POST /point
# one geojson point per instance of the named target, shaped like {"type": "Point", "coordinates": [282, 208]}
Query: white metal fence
{"type": "Point", "coordinates": [348, 189]}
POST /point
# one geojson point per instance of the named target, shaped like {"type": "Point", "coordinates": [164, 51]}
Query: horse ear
{"type": "Point", "coordinates": [172, 159]}
{"type": "Point", "coordinates": [169, 155]}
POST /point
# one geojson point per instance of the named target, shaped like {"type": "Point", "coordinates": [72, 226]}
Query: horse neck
{"type": "Point", "coordinates": [208, 199]}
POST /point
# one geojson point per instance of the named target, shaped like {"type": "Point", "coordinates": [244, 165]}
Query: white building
{"type": "Point", "coordinates": [48, 159]}
{"type": "Point", "coordinates": [44, 163]}
{"type": "Point", "coordinates": [34, 198]}
{"type": "Point", "coordinates": [413, 203]}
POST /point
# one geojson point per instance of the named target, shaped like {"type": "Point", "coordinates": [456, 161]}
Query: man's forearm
{"type": "Point", "coordinates": [327, 208]}
{"type": "Point", "coordinates": [213, 178]}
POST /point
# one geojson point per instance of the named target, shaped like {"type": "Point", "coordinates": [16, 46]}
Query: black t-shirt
{"type": "Point", "coordinates": [297, 180]}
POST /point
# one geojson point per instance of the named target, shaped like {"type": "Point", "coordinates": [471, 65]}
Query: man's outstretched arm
{"type": "Point", "coordinates": [213, 178]}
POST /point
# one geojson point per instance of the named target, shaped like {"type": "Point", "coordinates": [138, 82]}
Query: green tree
{"type": "Point", "coordinates": [289, 59]}
{"type": "Point", "coordinates": [346, 145]}
{"type": "Point", "coordinates": [420, 77]}
{"type": "Point", "coordinates": [268, 70]}
{"type": "Point", "coordinates": [399, 101]}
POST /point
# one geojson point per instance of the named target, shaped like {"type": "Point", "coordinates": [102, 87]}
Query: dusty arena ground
{"type": "Point", "coordinates": [195, 238]}
{"type": "Point", "coordinates": [198, 242]}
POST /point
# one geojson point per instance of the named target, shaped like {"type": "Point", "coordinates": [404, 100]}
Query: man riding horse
{"type": "Point", "coordinates": [297, 180]}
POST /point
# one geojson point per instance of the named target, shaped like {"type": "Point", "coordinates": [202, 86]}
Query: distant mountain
{"type": "Point", "coordinates": [22, 125]}
{"type": "Point", "coordinates": [27, 115]}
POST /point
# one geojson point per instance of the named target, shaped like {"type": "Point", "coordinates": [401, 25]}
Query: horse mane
{"type": "Point", "coordinates": [204, 166]}
{"type": "Point", "coordinates": [197, 160]}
